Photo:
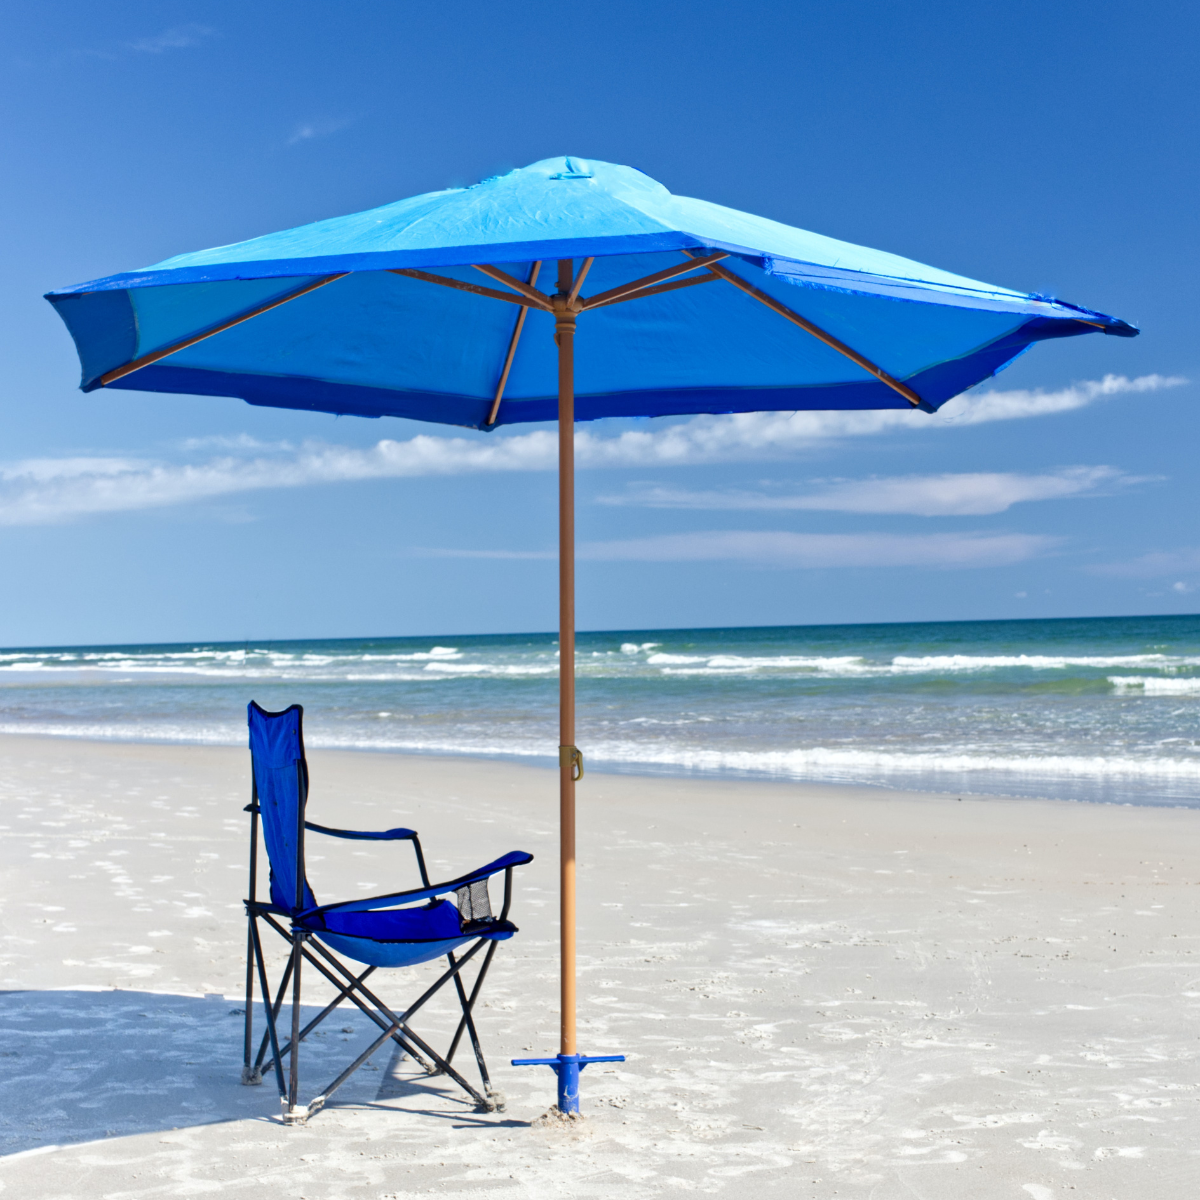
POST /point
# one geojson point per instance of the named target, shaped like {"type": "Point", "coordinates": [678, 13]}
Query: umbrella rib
{"type": "Point", "coordinates": [540, 300]}
{"type": "Point", "coordinates": [146, 359]}
{"type": "Point", "coordinates": [708, 277]}
{"type": "Point", "coordinates": [637, 285]}
{"type": "Point", "coordinates": [817, 332]}
{"type": "Point", "coordinates": [474, 288]}
{"type": "Point", "coordinates": [512, 350]}
{"type": "Point", "coordinates": [573, 294]}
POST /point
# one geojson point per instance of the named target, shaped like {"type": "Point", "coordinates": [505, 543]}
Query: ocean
{"type": "Point", "coordinates": [1102, 709]}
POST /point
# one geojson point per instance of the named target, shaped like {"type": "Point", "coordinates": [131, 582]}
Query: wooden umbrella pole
{"type": "Point", "coordinates": [568, 755]}
{"type": "Point", "coordinates": [568, 1062]}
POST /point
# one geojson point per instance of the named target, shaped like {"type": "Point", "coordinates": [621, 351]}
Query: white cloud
{"type": "Point", "coordinates": [453, 553]}
{"type": "Point", "coordinates": [233, 442]}
{"type": "Point", "coordinates": [37, 491]}
{"type": "Point", "coordinates": [179, 37]}
{"type": "Point", "coordinates": [1008, 406]}
{"type": "Point", "coordinates": [1181, 561]}
{"type": "Point", "coordinates": [956, 495]}
{"type": "Point", "coordinates": [826, 549]}
{"type": "Point", "coordinates": [307, 131]}
{"type": "Point", "coordinates": [53, 470]}
{"type": "Point", "coordinates": [763, 435]}
{"type": "Point", "coordinates": [781, 549]}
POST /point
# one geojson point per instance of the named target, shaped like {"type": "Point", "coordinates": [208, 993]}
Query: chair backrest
{"type": "Point", "coordinates": [281, 790]}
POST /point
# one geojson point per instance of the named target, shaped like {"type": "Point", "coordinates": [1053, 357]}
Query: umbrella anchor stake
{"type": "Point", "coordinates": [568, 1062]}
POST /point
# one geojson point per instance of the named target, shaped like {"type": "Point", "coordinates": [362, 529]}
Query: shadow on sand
{"type": "Point", "coordinates": [81, 1065]}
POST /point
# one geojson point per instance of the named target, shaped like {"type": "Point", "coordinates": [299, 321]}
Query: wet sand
{"type": "Point", "coordinates": [821, 991]}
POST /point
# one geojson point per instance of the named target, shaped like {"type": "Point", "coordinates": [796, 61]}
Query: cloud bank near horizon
{"type": "Point", "coordinates": [54, 490]}
{"type": "Point", "coordinates": [974, 494]}
{"type": "Point", "coordinates": [774, 548]}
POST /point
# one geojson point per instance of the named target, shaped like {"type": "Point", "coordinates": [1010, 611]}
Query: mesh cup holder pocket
{"type": "Point", "coordinates": [474, 904]}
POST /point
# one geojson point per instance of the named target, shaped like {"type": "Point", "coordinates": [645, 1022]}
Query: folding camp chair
{"type": "Point", "coordinates": [400, 929]}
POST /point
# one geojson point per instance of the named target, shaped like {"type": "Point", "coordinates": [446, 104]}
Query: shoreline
{"type": "Point", "coordinates": [926, 784]}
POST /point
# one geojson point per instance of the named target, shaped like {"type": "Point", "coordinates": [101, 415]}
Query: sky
{"type": "Point", "coordinates": [1049, 148]}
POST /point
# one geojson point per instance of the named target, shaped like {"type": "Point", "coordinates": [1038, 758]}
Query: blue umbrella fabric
{"type": "Point", "coordinates": [344, 319]}
{"type": "Point", "coordinates": [418, 309]}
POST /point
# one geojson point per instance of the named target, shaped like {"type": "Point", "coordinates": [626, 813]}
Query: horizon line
{"type": "Point", "coordinates": [553, 635]}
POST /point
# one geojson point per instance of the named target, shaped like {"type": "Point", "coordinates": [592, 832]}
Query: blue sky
{"type": "Point", "coordinates": [1050, 148]}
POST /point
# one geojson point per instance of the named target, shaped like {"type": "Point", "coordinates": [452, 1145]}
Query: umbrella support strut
{"type": "Point", "coordinates": [512, 352]}
{"type": "Point", "coordinates": [568, 1062]}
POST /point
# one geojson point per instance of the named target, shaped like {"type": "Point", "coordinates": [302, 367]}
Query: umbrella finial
{"type": "Point", "coordinates": [574, 168]}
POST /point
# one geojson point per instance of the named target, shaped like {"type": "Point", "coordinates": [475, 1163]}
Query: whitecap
{"type": "Point", "coordinates": [1035, 662]}
{"type": "Point", "coordinates": [1151, 685]}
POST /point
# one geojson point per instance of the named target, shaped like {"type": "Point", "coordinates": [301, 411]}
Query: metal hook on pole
{"type": "Point", "coordinates": [571, 757]}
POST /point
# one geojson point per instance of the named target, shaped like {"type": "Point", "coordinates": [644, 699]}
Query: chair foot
{"type": "Point", "coordinates": [251, 1076]}
{"type": "Point", "coordinates": [496, 1099]}
{"type": "Point", "coordinates": [302, 1113]}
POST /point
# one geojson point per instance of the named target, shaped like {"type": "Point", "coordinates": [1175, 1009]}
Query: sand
{"type": "Point", "coordinates": [821, 991]}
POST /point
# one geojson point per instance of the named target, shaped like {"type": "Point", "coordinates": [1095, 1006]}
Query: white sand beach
{"type": "Point", "coordinates": [821, 991]}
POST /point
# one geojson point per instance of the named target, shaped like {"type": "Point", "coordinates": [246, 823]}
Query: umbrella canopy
{"type": "Point", "coordinates": [381, 342]}
{"type": "Point", "coordinates": [418, 309]}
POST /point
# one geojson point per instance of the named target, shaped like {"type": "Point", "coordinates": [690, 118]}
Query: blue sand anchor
{"type": "Point", "coordinates": [567, 1068]}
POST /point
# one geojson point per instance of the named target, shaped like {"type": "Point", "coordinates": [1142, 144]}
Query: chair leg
{"type": "Point", "coordinates": [251, 1075]}
{"type": "Point", "coordinates": [320, 1101]}
{"type": "Point", "coordinates": [392, 1031]}
{"type": "Point", "coordinates": [355, 984]}
{"type": "Point", "coordinates": [270, 1015]}
{"type": "Point", "coordinates": [342, 995]}
{"type": "Point", "coordinates": [276, 1006]}
{"type": "Point", "coordinates": [398, 1031]}
{"type": "Point", "coordinates": [468, 1023]}
{"type": "Point", "coordinates": [401, 1020]}
{"type": "Point", "coordinates": [394, 1026]}
{"type": "Point", "coordinates": [470, 1004]}
{"type": "Point", "coordinates": [444, 1068]}
{"type": "Point", "coordinates": [294, 1073]}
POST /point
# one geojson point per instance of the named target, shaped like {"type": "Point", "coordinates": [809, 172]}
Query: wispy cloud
{"type": "Point", "coordinates": [39, 491]}
{"type": "Point", "coordinates": [1181, 561]}
{"type": "Point", "coordinates": [1013, 405]}
{"type": "Point", "coordinates": [178, 37]}
{"type": "Point", "coordinates": [449, 552]}
{"type": "Point", "coordinates": [234, 443]}
{"type": "Point", "coordinates": [308, 131]}
{"type": "Point", "coordinates": [826, 549]}
{"type": "Point", "coordinates": [764, 435]}
{"type": "Point", "coordinates": [958, 495]}
{"type": "Point", "coordinates": [812, 550]}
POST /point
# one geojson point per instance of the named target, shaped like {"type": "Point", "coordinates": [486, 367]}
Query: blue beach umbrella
{"type": "Point", "coordinates": [436, 308]}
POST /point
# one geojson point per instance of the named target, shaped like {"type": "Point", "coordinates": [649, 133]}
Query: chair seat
{"type": "Point", "coordinates": [399, 937]}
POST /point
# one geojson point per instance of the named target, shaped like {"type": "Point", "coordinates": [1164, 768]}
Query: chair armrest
{"type": "Point", "coordinates": [387, 835]}
{"type": "Point", "coordinates": [514, 858]}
